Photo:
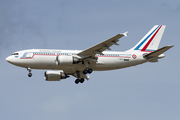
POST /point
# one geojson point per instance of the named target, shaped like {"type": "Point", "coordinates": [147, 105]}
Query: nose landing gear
{"type": "Point", "coordinates": [30, 74]}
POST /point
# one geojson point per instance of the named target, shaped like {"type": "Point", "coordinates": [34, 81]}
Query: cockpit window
{"type": "Point", "coordinates": [15, 54]}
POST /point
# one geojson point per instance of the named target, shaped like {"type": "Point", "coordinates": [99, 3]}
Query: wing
{"type": "Point", "coordinates": [99, 48]}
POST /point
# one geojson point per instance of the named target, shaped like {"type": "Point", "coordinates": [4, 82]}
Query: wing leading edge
{"type": "Point", "coordinates": [99, 48]}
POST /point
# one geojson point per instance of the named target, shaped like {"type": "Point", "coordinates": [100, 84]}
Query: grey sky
{"type": "Point", "coordinates": [148, 91]}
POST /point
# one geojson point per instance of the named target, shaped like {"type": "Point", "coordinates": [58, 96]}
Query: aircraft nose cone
{"type": "Point", "coordinates": [12, 60]}
{"type": "Point", "coordinates": [8, 59]}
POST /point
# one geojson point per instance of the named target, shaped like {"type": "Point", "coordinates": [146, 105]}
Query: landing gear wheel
{"type": "Point", "coordinates": [90, 71]}
{"type": "Point", "coordinates": [77, 81]}
{"type": "Point", "coordinates": [30, 74]}
{"type": "Point", "coordinates": [81, 80]}
{"type": "Point", "coordinates": [85, 71]}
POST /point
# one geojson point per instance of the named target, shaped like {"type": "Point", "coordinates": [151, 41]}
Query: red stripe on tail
{"type": "Point", "coordinates": [147, 44]}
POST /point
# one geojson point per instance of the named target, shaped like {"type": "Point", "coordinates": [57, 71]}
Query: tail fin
{"type": "Point", "coordinates": [151, 40]}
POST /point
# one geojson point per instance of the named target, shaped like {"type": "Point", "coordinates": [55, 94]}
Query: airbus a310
{"type": "Point", "coordinates": [63, 63]}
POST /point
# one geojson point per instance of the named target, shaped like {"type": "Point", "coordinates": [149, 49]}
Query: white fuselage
{"type": "Point", "coordinates": [80, 63]}
{"type": "Point", "coordinates": [46, 59]}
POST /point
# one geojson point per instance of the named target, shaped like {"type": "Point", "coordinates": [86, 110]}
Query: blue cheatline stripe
{"type": "Point", "coordinates": [137, 48]}
{"type": "Point", "coordinates": [24, 55]}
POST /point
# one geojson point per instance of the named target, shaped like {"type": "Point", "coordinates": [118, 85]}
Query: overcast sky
{"type": "Point", "coordinates": [146, 92]}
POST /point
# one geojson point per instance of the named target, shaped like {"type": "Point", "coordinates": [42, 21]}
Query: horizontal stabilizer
{"type": "Point", "coordinates": [158, 52]}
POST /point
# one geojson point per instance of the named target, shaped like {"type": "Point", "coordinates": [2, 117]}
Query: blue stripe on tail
{"type": "Point", "coordinates": [137, 48]}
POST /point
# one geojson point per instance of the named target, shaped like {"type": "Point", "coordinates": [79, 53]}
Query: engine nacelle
{"type": "Point", "coordinates": [67, 60]}
{"type": "Point", "coordinates": [54, 75]}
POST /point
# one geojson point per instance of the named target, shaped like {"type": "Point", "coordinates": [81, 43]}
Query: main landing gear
{"type": "Point", "coordinates": [86, 71]}
{"type": "Point", "coordinates": [79, 80]}
{"type": "Point", "coordinates": [30, 74]}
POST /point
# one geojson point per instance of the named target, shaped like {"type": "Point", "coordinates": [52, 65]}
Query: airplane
{"type": "Point", "coordinates": [79, 63]}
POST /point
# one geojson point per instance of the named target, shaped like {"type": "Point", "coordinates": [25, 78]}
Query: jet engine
{"type": "Point", "coordinates": [67, 60]}
{"type": "Point", "coordinates": [54, 75]}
